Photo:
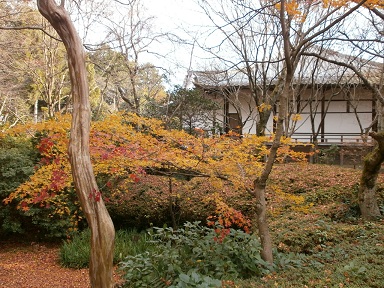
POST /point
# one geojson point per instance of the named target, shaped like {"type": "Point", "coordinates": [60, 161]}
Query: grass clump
{"type": "Point", "coordinates": [76, 252]}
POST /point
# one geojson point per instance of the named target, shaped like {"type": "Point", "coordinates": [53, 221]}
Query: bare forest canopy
{"type": "Point", "coordinates": [241, 39]}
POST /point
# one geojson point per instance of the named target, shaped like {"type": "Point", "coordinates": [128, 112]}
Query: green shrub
{"type": "Point", "coordinates": [203, 254]}
{"type": "Point", "coordinates": [194, 279]}
{"type": "Point", "coordinates": [17, 158]}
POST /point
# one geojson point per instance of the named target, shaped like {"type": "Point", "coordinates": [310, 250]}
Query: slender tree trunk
{"type": "Point", "coordinates": [261, 182]}
{"type": "Point", "coordinates": [367, 191]}
{"type": "Point", "coordinates": [99, 221]}
{"type": "Point", "coordinates": [262, 223]}
{"type": "Point", "coordinates": [380, 118]}
{"type": "Point", "coordinates": [262, 123]}
{"type": "Point", "coordinates": [36, 111]}
{"type": "Point", "coordinates": [171, 201]}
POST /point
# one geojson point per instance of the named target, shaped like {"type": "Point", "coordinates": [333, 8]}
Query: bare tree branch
{"type": "Point", "coordinates": [31, 28]}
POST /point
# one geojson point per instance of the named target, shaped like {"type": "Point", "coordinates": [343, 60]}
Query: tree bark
{"type": "Point", "coordinates": [262, 223]}
{"type": "Point", "coordinates": [262, 123]}
{"type": "Point", "coordinates": [371, 167]}
{"type": "Point", "coordinates": [261, 182]}
{"type": "Point", "coordinates": [99, 221]}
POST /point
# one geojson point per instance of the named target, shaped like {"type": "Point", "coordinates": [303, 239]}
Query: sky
{"type": "Point", "coordinates": [175, 16]}
{"type": "Point", "coordinates": [172, 13]}
{"type": "Point", "coordinates": [169, 16]}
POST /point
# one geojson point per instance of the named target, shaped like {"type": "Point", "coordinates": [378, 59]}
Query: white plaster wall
{"type": "Point", "coordinates": [338, 120]}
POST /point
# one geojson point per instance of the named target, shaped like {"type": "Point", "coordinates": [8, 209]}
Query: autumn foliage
{"type": "Point", "coordinates": [136, 162]}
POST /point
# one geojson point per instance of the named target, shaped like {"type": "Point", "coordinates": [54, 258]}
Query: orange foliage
{"type": "Point", "coordinates": [124, 146]}
{"type": "Point", "coordinates": [228, 217]}
{"type": "Point", "coordinates": [370, 4]}
{"type": "Point", "coordinates": [295, 8]}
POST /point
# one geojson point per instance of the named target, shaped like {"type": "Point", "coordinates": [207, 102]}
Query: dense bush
{"type": "Point", "coordinates": [126, 151]}
{"type": "Point", "coordinates": [150, 176]}
{"type": "Point", "coordinates": [150, 202]}
{"type": "Point", "coordinates": [20, 158]}
{"type": "Point", "coordinates": [17, 158]}
{"type": "Point", "coordinates": [198, 256]}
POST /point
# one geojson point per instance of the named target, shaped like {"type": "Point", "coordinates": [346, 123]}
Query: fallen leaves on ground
{"type": "Point", "coordinates": [37, 266]}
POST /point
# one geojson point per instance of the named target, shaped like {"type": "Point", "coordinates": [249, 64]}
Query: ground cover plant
{"type": "Point", "coordinates": [314, 212]}
{"type": "Point", "coordinates": [318, 235]}
{"type": "Point", "coordinates": [194, 255]}
{"type": "Point", "coordinates": [191, 256]}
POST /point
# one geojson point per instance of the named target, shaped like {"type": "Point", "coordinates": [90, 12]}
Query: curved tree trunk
{"type": "Point", "coordinates": [99, 221]}
{"type": "Point", "coordinates": [367, 190]}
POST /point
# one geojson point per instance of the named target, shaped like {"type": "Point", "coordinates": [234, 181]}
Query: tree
{"type": "Point", "coordinates": [192, 109]}
{"type": "Point", "coordinates": [368, 183]}
{"type": "Point", "coordinates": [48, 72]}
{"type": "Point", "coordinates": [131, 34]}
{"type": "Point", "coordinates": [372, 162]}
{"type": "Point", "coordinates": [185, 109]}
{"type": "Point", "coordinates": [366, 40]}
{"type": "Point", "coordinates": [250, 37]}
{"type": "Point", "coordinates": [100, 223]}
{"type": "Point", "coordinates": [15, 48]}
{"type": "Point", "coordinates": [302, 25]}
{"type": "Point", "coordinates": [112, 75]}
{"type": "Point", "coordinates": [297, 36]}
{"type": "Point", "coordinates": [35, 59]}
